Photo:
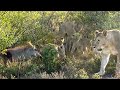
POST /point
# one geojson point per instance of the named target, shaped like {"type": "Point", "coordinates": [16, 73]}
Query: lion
{"type": "Point", "coordinates": [80, 42]}
{"type": "Point", "coordinates": [59, 46]}
{"type": "Point", "coordinates": [67, 29]}
{"type": "Point", "coordinates": [107, 43]}
{"type": "Point", "coordinates": [76, 37]}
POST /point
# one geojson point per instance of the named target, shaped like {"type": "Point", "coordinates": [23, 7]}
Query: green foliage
{"type": "Point", "coordinates": [81, 74]}
{"type": "Point", "coordinates": [110, 68]}
{"type": "Point", "coordinates": [96, 76]}
{"type": "Point", "coordinates": [17, 70]}
{"type": "Point", "coordinates": [50, 60]}
{"type": "Point", "coordinates": [40, 27]}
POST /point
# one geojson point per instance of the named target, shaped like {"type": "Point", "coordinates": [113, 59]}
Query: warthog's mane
{"type": "Point", "coordinates": [21, 47]}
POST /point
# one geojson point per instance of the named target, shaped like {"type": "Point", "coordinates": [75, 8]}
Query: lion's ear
{"type": "Point", "coordinates": [97, 31]}
{"type": "Point", "coordinates": [104, 32]}
{"type": "Point", "coordinates": [55, 41]}
{"type": "Point", "coordinates": [62, 40]}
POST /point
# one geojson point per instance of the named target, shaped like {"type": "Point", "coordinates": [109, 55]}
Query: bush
{"type": "Point", "coordinates": [45, 75]}
{"type": "Point", "coordinates": [50, 60]}
{"type": "Point", "coordinates": [96, 76]}
{"type": "Point", "coordinates": [81, 74]}
{"type": "Point", "coordinates": [17, 70]}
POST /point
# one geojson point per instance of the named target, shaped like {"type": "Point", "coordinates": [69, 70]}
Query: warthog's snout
{"type": "Point", "coordinates": [36, 54]}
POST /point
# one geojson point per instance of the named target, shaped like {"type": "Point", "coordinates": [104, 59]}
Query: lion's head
{"type": "Point", "coordinates": [100, 42]}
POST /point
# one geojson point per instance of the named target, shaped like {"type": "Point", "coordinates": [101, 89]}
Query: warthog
{"type": "Point", "coordinates": [20, 53]}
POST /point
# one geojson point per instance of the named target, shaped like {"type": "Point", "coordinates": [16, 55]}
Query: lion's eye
{"type": "Point", "coordinates": [98, 40]}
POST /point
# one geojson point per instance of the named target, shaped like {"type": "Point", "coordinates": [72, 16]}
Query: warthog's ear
{"type": "Point", "coordinates": [30, 44]}
{"type": "Point", "coordinates": [104, 32]}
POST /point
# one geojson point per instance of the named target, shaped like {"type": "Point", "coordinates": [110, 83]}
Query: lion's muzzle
{"type": "Point", "coordinates": [99, 49]}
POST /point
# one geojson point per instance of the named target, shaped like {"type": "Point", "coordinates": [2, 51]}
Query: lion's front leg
{"type": "Point", "coordinates": [73, 48]}
{"type": "Point", "coordinates": [104, 62]}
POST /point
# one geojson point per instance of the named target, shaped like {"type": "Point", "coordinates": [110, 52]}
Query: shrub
{"type": "Point", "coordinates": [17, 70]}
{"type": "Point", "coordinates": [45, 75]}
{"type": "Point", "coordinates": [96, 76]}
{"type": "Point", "coordinates": [50, 61]}
{"type": "Point", "coordinates": [81, 74]}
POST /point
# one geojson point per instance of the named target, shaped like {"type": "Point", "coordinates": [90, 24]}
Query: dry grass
{"type": "Point", "coordinates": [72, 68]}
